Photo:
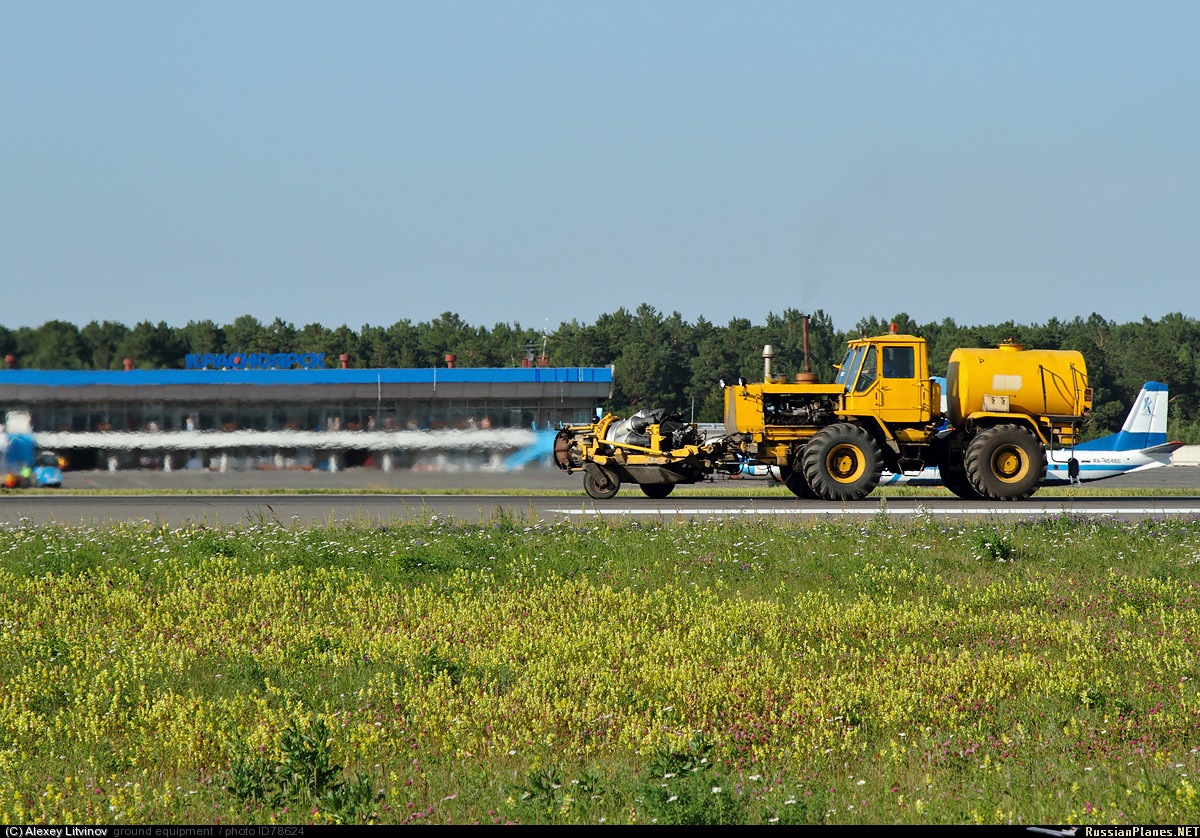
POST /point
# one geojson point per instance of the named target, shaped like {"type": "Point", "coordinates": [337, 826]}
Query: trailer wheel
{"type": "Point", "coordinates": [600, 483]}
{"type": "Point", "coordinates": [1005, 462]}
{"type": "Point", "coordinates": [657, 491]}
{"type": "Point", "coordinates": [796, 482]}
{"type": "Point", "coordinates": [842, 462]}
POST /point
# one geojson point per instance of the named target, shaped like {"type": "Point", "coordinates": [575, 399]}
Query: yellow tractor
{"type": "Point", "coordinates": [989, 432]}
{"type": "Point", "coordinates": [1005, 408]}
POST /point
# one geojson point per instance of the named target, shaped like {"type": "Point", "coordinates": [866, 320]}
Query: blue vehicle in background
{"type": "Point", "coordinates": [47, 470]}
{"type": "Point", "coordinates": [21, 464]}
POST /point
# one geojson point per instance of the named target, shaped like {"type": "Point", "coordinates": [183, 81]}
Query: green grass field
{"type": "Point", "coordinates": [709, 672]}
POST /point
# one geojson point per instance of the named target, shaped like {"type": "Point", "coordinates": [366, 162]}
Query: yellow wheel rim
{"type": "Point", "coordinates": [845, 463]}
{"type": "Point", "coordinates": [1010, 464]}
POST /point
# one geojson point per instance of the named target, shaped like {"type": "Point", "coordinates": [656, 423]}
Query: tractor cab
{"type": "Point", "coordinates": [888, 377]}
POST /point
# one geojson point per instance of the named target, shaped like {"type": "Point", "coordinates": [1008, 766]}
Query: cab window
{"type": "Point", "coordinates": [850, 364]}
{"type": "Point", "coordinates": [867, 377]}
{"type": "Point", "coordinates": [899, 362]}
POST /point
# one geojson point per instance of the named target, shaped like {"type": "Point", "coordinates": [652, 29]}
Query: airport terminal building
{"type": "Point", "coordinates": [280, 412]}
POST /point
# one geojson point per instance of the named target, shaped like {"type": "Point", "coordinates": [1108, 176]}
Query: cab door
{"type": "Point", "coordinates": [891, 384]}
{"type": "Point", "coordinates": [903, 393]}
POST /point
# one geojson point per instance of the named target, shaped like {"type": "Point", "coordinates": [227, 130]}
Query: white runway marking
{"type": "Point", "coordinates": [941, 510]}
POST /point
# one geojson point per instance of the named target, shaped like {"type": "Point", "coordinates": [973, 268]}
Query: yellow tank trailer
{"type": "Point", "coordinates": [1029, 381]}
{"type": "Point", "coordinates": [1005, 408]}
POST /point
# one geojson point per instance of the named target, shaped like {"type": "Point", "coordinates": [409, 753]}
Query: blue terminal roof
{"type": "Point", "coordinates": [430, 375]}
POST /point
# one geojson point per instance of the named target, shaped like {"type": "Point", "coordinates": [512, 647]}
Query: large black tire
{"type": "Point", "coordinates": [1005, 462]}
{"type": "Point", "coordinates": [954, 474]}
{"type": "Point", "coordinates": [797, 485]}
{"type": "Point", "coordinates": [600, 483]}
{"type": "Point", "coordinates": [955, 479]}
{"type": "Point", "coordinates": [657, 491]}
{"type": "Point", "coordinates": [842, 462]}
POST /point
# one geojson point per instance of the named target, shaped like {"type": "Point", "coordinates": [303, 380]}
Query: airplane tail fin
{"type": "Point", "coordinates": [1145, 426]}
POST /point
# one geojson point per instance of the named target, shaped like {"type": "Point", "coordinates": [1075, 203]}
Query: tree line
{"type": "Point", "coordinates": [659, 360]}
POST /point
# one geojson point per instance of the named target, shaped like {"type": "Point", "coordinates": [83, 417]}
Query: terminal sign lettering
{"type": "Point", "coordinates": [256, 361]}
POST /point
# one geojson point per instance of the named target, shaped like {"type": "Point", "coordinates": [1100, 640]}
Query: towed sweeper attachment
{"type": "Point", "coordinates": [653, 448]}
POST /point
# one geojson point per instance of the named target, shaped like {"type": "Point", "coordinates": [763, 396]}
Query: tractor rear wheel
{"type": "Point", "coordinates": [1005, 462]}
{"type": "Point", "coordinates": [954, 474]}
{"type": "Point", "coordinates": [842, 462]}
{"type": "Point", "coordinates": [955, 479]}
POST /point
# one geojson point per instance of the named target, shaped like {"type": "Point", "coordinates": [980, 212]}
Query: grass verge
{"type": "Point", "coordinates": [745, 672]}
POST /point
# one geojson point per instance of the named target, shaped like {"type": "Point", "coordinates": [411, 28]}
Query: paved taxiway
{"type": "Point", "coordinates": [394, 498]}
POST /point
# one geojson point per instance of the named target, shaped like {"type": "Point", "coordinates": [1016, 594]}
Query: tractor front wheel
{"type": "Point", "coordinates": [842, 462]}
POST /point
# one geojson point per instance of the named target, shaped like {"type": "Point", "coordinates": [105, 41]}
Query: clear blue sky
{"type": "Point", "coordinates": [537, 162]}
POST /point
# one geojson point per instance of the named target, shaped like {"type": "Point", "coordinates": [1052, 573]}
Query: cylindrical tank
{"type": "Point", "coordinates": [1035, 381]}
